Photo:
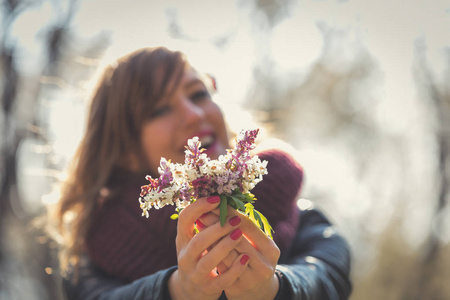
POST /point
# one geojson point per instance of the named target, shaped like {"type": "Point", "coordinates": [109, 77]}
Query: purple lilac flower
{"type": "Point", "coordinates": [200, 176]}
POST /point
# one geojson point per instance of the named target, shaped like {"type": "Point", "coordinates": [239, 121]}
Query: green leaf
{"type": "Point", "coordinates": [240, 205]}
{"type": "Point", "coordinates": [238, 194]}
{"type": "Point", "coordinates": [223, 209]}
{"type": "Point", "coordinates": [259, 219]}
{"type": "Point", "coordinates": [249, 197]}
{"type": "Point", "coordinates": [231, 202]}
{"type": "Point", "coordinates": [174, 216]}
{"type": "Point", "coordinates": [246, 198]}
{"type": "Point", "coordinates": [249, 209]}
{"type": "Point", "coordinates": [266, 226]}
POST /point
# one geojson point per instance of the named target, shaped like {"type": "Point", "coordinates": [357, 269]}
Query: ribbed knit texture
{"type": "Point", "coordinates": [277, 195]}
{"type": "Point", "coordinates": [127, 246]}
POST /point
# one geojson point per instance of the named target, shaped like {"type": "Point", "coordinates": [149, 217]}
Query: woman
{"type": "Point", "coordinates": [146, 107]}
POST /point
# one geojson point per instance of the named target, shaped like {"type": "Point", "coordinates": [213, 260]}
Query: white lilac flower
{"type": "Point", "coordinates": [231, 176]}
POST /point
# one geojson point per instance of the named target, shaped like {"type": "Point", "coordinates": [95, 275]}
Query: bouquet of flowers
{"type": "Point", "coordinates": [231, 176]}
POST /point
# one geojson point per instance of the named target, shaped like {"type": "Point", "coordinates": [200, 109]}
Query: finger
{"type": "Point", "coordinates": [229, 277]}
{"type": "Point", "coordinates": [190, 214]}
{"type": "Point", "coordinates": [251, 231]}
{"type": "Point", "coordinates": [205, 220]}
{"type": "Point", "coordinates": [209, 236]}
{"type": "Point", "coordinates": [213, 219]}
{"type": "Point", "coordinates": [259, 259]}
{"type": "Point", "coordinates": [255, 237]}
{"type": "Point", "coordinates": [217, 254]}
{"type": "Point", "coordinates": [258, 239]}
{"type": "Point", "coordinates": [260, 268]}
{"type": "Point", "coordinates": [209, 219]}
{"type": "Point", "coordinates": [227, 262]}
{"type": "Point", "coordinates": [222, 268]}
{"type": "Point", "coordinates": [245, 246]}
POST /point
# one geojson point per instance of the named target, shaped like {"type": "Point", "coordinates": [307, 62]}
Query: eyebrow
{"type": "Point", "coordinates": [192, 82]}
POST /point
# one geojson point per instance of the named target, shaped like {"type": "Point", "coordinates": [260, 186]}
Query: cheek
{"type": "Point", "coordinates": [152, 141]}
{"type": "Point", "coordinates": [217, 119]}
{"type": "Point", "coordinates": [147, 148]}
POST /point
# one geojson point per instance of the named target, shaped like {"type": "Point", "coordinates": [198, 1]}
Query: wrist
{"type": "Point", "coordinates": [274, 287]}
{"type": "Point", "coordinates": [178, 291]}
{"type": "Point", "coordinates": [271, 290]}
{"type": "Point", "coordinates": [174, 287]}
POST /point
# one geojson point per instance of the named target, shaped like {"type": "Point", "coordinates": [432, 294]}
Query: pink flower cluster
{"type": "Point", "coordinates": [233, 174]}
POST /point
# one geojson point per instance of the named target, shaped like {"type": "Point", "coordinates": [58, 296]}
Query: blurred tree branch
{"type": "Point", "coordinates": [437, 96]}
{"type": "Point", "coordinates": [10, 138]}
{"type": "Point", "coordinates": [15, 128]}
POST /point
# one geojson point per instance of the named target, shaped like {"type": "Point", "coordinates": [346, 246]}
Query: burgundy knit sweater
{"type": "Point", "coordinates": [127, 246]}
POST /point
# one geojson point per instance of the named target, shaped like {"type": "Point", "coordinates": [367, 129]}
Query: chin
{"type": "Point", "coordinates": [214, 151]}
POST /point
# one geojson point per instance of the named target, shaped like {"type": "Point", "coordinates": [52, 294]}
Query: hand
{"type": "Point", "coordinates": [196, 277]}
{"type": "Point", "coordinates": [258, 281]}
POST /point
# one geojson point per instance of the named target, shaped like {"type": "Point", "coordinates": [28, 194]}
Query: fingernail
{"type": "Point", "coordinates": [200, 224]}
{"type": "Point", "coordinates": [235, 220]}
{"type": "Point", "coordinates": [236, 234]}
{"type": "Point", "coordinates": [204, 215]}
{"type": "Point", "coordinates": [244, 259]}
{"type": "Point", "coordinates": [213, 199]}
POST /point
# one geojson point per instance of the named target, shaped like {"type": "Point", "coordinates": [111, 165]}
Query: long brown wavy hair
{"type": "Point", "coordinates": [121, 102]}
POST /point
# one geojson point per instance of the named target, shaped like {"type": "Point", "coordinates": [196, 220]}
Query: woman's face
{"type": "Point", "coordinates": [189, 112]}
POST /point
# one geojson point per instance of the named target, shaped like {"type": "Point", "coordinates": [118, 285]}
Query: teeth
{"type": "Point", "coordinates": [207, 141]}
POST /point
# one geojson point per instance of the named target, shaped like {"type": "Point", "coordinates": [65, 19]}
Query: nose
{"type": "Point", "coordinates": [191, 113]}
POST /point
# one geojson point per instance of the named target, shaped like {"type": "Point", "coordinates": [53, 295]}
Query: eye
{"type": "Point", "coordinates": [160, 111]}
{"type": "Point", "coordinates": [199, 95]}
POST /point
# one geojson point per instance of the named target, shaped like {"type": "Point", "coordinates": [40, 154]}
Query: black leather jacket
{"type": "Point", "coordinates": [317, 267]}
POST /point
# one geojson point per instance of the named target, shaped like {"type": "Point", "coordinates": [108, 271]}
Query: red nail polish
{"type": "Point", "coordinates": [244, 259]}
{"type": "Point", "coordinates": [236, 234]}
{"type": "Point", "coordinates": [234, 220]}
{"type": "Point", "coordinates": [204, 215]}
{"type": "Point", "coordinates": [200, 224]}
{"type": "Point", "coordinates": [213, 199]}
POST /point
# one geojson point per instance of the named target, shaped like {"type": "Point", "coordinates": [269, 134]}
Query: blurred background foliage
{"type": "Point", "coordinates": [359, 91]}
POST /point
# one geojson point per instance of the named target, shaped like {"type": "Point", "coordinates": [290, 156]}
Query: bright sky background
{"type": "Point", "coordinates": [389, 29]}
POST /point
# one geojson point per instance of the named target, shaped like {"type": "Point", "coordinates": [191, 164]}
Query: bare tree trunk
{"type": "Point", "coordinates": [429, 265]}
{"type": "Point", "coordinates": [10, 140]}
{"type": "Point", "coordinates": [39, 260]}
